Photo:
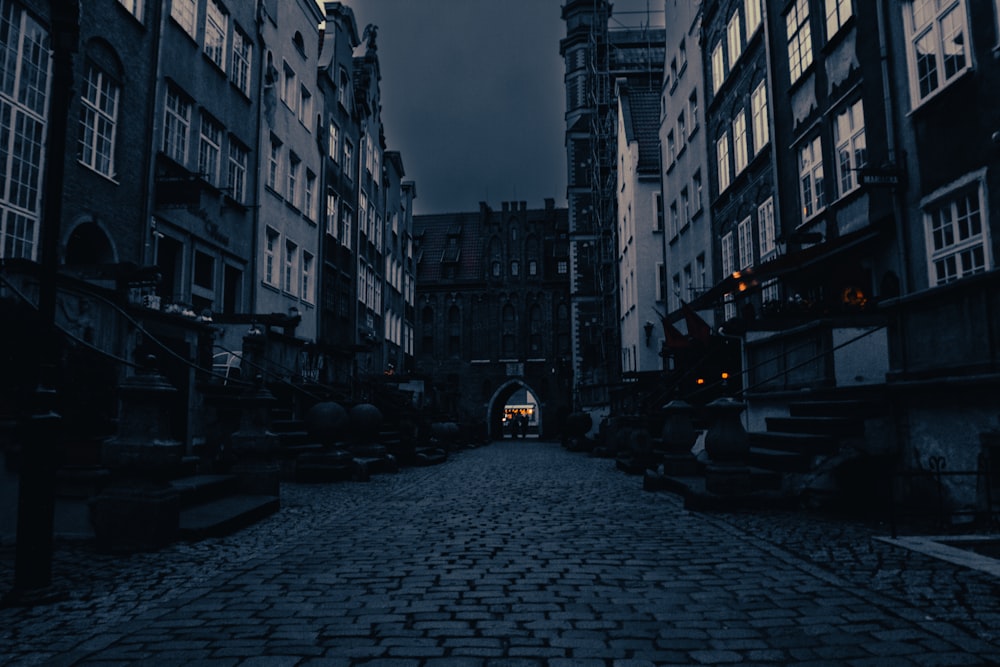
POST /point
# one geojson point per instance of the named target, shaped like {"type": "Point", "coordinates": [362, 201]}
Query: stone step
{"type": "Point", "coordinates": [224, 515]}
{"type": "Point", "coordinates": [837, 426]}
{"type": "Point", "coordinates": [779, 460]}
{"type": "Point", "coordinates": [850, 408]}
{"type": "Point", "coordinates": [197, 489]}
{"type": "Point", "coordinates": [287, 425]}
{"type": "Point", "coordinates": [805, 443]}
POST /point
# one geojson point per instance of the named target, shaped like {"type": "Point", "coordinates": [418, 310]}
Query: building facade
{"type": "Point", "coordinates": [493, 313]}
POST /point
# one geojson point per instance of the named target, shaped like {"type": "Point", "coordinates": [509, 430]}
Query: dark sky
{"type": "Point", "coordinates": [473, 98]}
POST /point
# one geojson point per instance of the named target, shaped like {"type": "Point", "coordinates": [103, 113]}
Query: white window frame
{"type": "Point", "coordinates": [744, 234]}
{"type": "Point", "coordinates": [176, 126]}
{"type": "Point", "coordinates": [799, 39]}
{"type": "Point", "coordinates": [811, 178]}
{"type": "Point", "coordinates": [274, 164]}
{"type": "Point", "coordinates": [751, 10]}
{"type": "Point", "coordinates": [925, 25]}
{"type": "Point", "coordinates": [957, 235]}
{"type": "Point", "coordinates": [292, 180]}
{"type": "Point", "coordinates": [237, 181]}
{"type": "Point", "coordinates": [685, 207]}
{"type": "Point", "coordinates": [134, 7]}
{"type": "Point", "coordinates": [309, 195]}
{"type": "Point", "coordinates": [333, 142]}
{"type": "Point", "coordinates": [740, 155]}
{"type": "Point", "coordinates": [185, 13]}
{"type": "Point", "coordinates": [718, 67]}
{"type": "Point", "coordinates": [765, 229]}
{"type": "Point", "coordinates": [761, 122]}
{"type": "Point", "coordinates": [726, 252]}
{"type": "Point", "coordinates": [98, 121]}
{"type": "Point", "coordinates": [674, 219]}
{"type": "Point", "coordinates": [851, 146]}
{"type": "Point", "coordinates": [346, 226]}
{"type": "Point", "coordinates": [348, 164]}
{"type": "Point", "coordinates": [242, 61]}
{"type": "Point", "coordinates": [210, 150]}
{"type": "Point", "coordinates": [289, 88]}
{"type": "Point", "coordinates": [734, 38]}
{"type": "Point", "coordinates": [722, 160]}
{"type": "Point", "coordinates": [837, 12]}
{"type": "Point", "coordinates": [305, 107]}
{"type": "Point", "coordinates": [272, 241]}
{"type": "Point", "coordinates": [308, 263]}
{"type": "Point", "coordinates": [290, 260]}
{"type": "Point", "coordinates": [216, 34]}
{"type": "Point", "coordinates": [332, 213]}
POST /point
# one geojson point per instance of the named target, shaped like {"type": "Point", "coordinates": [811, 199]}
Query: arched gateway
{"type": "Point", "coordinates": [495, 406]}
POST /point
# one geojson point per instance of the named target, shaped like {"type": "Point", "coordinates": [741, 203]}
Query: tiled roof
{"type": "Point", "coordinates": [433, 232]}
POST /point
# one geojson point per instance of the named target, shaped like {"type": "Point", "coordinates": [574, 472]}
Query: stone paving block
{"type": "Point", "coordinates": [715, 657]}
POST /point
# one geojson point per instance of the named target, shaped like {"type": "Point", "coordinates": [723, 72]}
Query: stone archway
{"type": "Point", "coordinates": [494, 407]}
{"type": "Point", "coordinates": [87, 244]}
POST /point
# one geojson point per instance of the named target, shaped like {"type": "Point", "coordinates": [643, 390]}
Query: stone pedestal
{"type": "Point", "coordinates": [139, 510]}
{"type": "Point", "coordinates": [727, 445]}
{"type": "Point", "coordinates": [254, 445]}
{"type": "Point", "coordinates": [678, 437]}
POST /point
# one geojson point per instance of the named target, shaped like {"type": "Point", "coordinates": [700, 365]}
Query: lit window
{"type": "Point", "coordinates": [98, 122]}
{"type": "Point", "coordinates": [718, 68]}
{"type": "Point", "coordinates": [938, 44]}
{"type": "Point", "coordinates": [765, 227]}
{"type": "Point", "coordinates": [758, 106]}
{"type": "Point", "coordinates": [811, 178]}
{"type": "Point", "coordinates": [176, 123]}
{"type": "Point", "coordinates": [740, 141]}
{"type": "Point", "coordinates": [237, 171]}
{"type": "Point", "coordinates": [957, 240]}
{"type": "Point", "coordinates": [242, 59]}
{"type": "Point", "coordinates": [734, 39]}
{"type": "Point", "coordinates": [209, 150]}
{"type": "Point", "coordinates": [722, 157]}
{"type": "Point", "coordinates": [184, 12]}
{"type": "Point", "coordinates": [799, 38]}
{"type": "Point", "coordinates": [837, 13]}
{"type": "Point", "coordinates": [852, 154]}
{"type": "Point", "coordinates": [216, 29]}
{"type": "Point", "coordinates": [751, 9]}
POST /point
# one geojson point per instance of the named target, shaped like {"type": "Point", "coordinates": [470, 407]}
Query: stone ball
{"type": "Point", "coordinates": [366, 422]}
{"type": "Point", "coordinates": [326, 421]}
{"type": "Point", "coordinates": [578, 423]}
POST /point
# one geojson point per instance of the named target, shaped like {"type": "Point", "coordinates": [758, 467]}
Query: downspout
{"type": "Point", "coordinates": [150, 249]}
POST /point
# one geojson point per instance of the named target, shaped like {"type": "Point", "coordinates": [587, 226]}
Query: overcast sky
{"type": "Point", "coordinates": [473, 98]}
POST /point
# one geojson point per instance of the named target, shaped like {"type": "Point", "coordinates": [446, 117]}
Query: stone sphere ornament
{"type": "Point", "coordinates": [327, 421]}
{"type": "Point", "coordinates": [366, 422]}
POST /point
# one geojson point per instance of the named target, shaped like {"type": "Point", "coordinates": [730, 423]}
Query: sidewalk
{"type": "Point", "coordinates": [518, 553]}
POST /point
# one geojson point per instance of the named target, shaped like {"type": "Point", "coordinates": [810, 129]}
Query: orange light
{"type": "Point", "coordinates": [701, 380]}
{"type": "Point", "coordinates": [736, 275]}
{"type": "Point", "coordinates": [743, 286]}
{"type": "Point", "coordinates": [725, 376]}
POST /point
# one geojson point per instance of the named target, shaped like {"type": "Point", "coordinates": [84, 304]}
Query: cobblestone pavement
{"type": "Point", "coordinates": [515, 554]}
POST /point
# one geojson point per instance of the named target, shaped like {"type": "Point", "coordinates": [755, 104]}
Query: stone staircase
{"type": "Point", "coordinates": [213, 505]}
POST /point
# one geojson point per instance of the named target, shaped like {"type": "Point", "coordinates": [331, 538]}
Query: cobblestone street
{"type": "Point", "coordinates": [515, 554]}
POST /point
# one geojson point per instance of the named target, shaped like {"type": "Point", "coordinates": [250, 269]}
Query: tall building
{"type": "Point", "coordinates": [398, 295]}
{"type": "Point", "coordinates": [493, 313]}
{"type": "Point", "coordinates": [594, 58]}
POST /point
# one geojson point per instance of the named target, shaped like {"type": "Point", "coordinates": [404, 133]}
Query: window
{"type": "Point", "coordinates": [734, 39]}
{"type": "Point", "coordinates": [658, 209]}
{"type": "Point", "coordinates": [270, 248]}
{"type": "Point", "coordinates": [693, 109]}
{"type": "Point", "coordinates": [515, 268]}
{"type": "Point", "coordinates": [661, 280]}
{"type": "Point", "coordinates": [305, 107]}
{"type": "Point", "coordinates": [216, 29]}
{"type": "Point", "coordinates": [274, 164]}
{"type": "Point", "coordinates": [346, 223]}
{"type": "Point", "coordinates": [727, 270]}
{"type": "Point", "coordinates": [683, 55]}
{"type": "Point", "coordinates": [837, 13]}
{"type": "Point", "coordinates": [740, 141]}
{"type": "Point", "coordinates": [135, 7]}
{"type": "Point", "coordinates": [209, 150]}
{"type": "Point", "coordinates": [562, 267]}
{"type": "Point", "coordinates": [454, 332]}
{"type": "Point", "coordinates": [309, 195]}
{"type": "Point", "coordinates": [331, 213]}
{"type": "Point", "coordinates": [237, 182]}
{"type": "Point", "coordinates": [688, 284]}
{"type": "Point", "coordinates": [290, 89]}
{"type": "Point", "coordinates": [204, 270]}
{"type": "Point", "coordinates": [799, 38]}
{"type": "Point", "coordinates": [696, 186]}
{"type": "Point", "coordinates": [852, 154]}
{"type": "Point", "coordinates": [765, 227]}
{"type": "Point", "coordinates": [242, 59]}
{"type": "Point", "coordinates": [681, 130]}
{"type": "Point", "coordinates": [176, 124]}
{"type": "Point", "coordinates": [674, 219]}
{"type": "Point", "coordinates": [362, 213]}
{"type": "Point", "coordinates": [758, 108]}
{"type": "Point", "coordinates": [744, 233]}
{"type": "Point", "coordinates": [718, 68]}
{"type": "Point", "coordinates": [671, 148]}
{"type": "Point", "coordinates": [938, 44]}
{"type": "Point", "coordinates": [532, 267]}
{"type": "Point", "coordinates": [685, 207]}
{"type": "Point", "coordinates": [348, 158]}
{"type": "Point", "coordinates": [751, 10]}
{"type": "Point", "coordinates": [307, 277]}
{"type": "Point", "coordinates": [98, 122]}
{"type": "Point", "coordinates": [722, 156]}
{"type": "Point", "coordinates": [956, 237]}
{"type": "Point", "coordinates": [292, 183]}
{"type": "Point", "coordinates": [184, 12]}
{"type": "Point", "coordinates": [675, 284]}
{"type": "Point", "coordinates": [699, 263]}
{"type": "Point", "coordinates": [291, 267]}
{"type": "Point", "coordinates": [342, 90]}
{"type": "Point", "coordinates": [496, 269]}
{"type": "Point", "coordinates": [811, 178]}
{"type": "Point", "coordinates": [333, 148]}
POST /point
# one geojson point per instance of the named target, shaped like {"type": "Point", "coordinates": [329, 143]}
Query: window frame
{"type": "Point", "coordinates": [216, 28]}
{"type": "Point", "coordinates": [956, 246]}
{"type": "Point", "coordinates": [812, 195]}
{"type": "Point", "coordinates": [761, 120]}
{"type": "Point", "coordinates": [722, 162]}
{"type": "Point", "coordinates": [847, 180]}
{"type": "Point", "coordinates": [741, 154]}
{"type": "Point", "coordinates": [931, 28]}
{"type": "Point", "coordinates": [798, 39]}
{"type": "Point", "coordinates": [93, 118]}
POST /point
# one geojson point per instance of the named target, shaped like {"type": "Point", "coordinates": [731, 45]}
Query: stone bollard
{"type": "Point", "coordinates": [727, 445]}
{"type": "Point", "coordinates": [139, 510]}
{"type": "Point", "coordinates": [678, 437]}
